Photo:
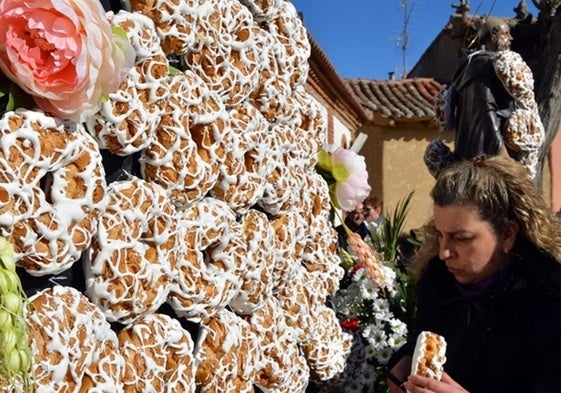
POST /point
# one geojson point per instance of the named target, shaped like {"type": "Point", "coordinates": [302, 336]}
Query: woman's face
{"type": "Point", "coordinates": [469, 246]}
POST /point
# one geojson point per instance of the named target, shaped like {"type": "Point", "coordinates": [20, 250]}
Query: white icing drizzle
{"type": "Point", "coordinates": [273, 87]}
{"type": "Point", "coordinates": [296, 299]}
{"type": "Point", "coordinates": [141, 33]}
{"type": "Point", "coordinates": [158, 355]}
{"type": "Point", "coordinates": [523, 132]}
{"type": "Point", "coordinates": [309, 126]}
{"type": "Point", "coordinates": [282, 367]}
{"type": "Point", "coordinates": [224, 54]}
{"type": "Point", "coordinates": [262, 10]}
{"type": "Point", "coordinates": [320, 254]}
{"type": "Point", "coordinates": [241, 179]}
{"type": "Point", "coordinates": [328, 346]}
{"type": "Point", "coordinates": [134, 251]}
{"type": "Point", "coordinates": [189, 144]}
{"type": "Point", "coordinates": [284, 182]}
{"type": "Point", "coordinates": [55, 183]}
{"type": "Point", "coordinates": [73, 345]}
{"type": "Point", "coordinates": [126, 121]}
{"type": "Point", "coordinates": [209, 275]}
{"type": "Point", "coordinates": [226, 353]}
{"type": "Point", "coordinates": [257, 282]}
{"type": "Point", "coordinates": [288, 29]}
{"type": "Point", "coordinates": [438, 355]}
{"type": "Point", "coordinates": [174, 22]}
{"type": "Point", "coordinates": [288, 247]}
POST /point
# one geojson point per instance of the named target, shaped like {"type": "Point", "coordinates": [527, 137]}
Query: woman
{"type": "Point", "coordinates": [489, 281]}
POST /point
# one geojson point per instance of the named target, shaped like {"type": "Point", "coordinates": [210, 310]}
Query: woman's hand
{"type": "Point", "coordinates": [418, 384]}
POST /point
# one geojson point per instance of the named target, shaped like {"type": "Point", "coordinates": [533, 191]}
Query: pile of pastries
{"type": "Point", "coordinates": [187, 213]}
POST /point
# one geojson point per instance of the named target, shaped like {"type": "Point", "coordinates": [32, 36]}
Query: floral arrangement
{"type": "Point", "coordinates": [374, 301]}
{"type": "Point", "coordinates": [15, 353]}
{"type": "Point", "coordinates": [377, 308]}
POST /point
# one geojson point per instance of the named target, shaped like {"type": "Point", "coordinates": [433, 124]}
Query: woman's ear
{"type": "Point", "coordinates": [510, 234]}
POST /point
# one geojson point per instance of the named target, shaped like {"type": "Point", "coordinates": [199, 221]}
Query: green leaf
{"type": "Point", "coordinates": [340, 172]}
{"type": "Point", "coordinates": [347, 259]}
{"type": "Point", "coordinates": [174, 71]}
{"type": "Point", "coordinates": [324, 161]}
{"type": "Point", "coordinates": [119, 32]}
{"type": "Point", "coordinates": [4, 92]}
{"type": "Point", "coordinates": [19, 98]}
{"type": "Point", "coordinates": [386, 239]}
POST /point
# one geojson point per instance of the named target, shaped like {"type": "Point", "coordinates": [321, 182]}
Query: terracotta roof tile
{"type": "Point", "coordinates": [404, 99]}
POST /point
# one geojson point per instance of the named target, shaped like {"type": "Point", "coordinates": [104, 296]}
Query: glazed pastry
{"type": "Point", "coordinates": [158, 355]}
{"type": "Point", "coordinates": [53, 187]}
{"type": "Point", "coordinates": [227, 354]}
{"type": "Point", "coordinates": [429, 355]}
{"type": "Point", "coordinates": [74, 348]}
{"type": "Point", "coordinates": [134, 251]}
{"type": "Point", "coordinates": [209, 273]}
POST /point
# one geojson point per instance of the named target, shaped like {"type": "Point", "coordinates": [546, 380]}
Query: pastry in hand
{"type": "Point", "coordinates": [429, 355]}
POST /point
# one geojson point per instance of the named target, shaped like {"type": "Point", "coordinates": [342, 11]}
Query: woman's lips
{"type": "Point", "coordinates": [453, 270]}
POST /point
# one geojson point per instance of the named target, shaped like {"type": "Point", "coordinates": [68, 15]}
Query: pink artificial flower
{"type": "Point", "coordinates": [348, 170]}
{"type": "Point", "coordinates": [63, 53]}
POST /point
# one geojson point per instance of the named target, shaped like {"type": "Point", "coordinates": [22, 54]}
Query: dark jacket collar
{"type": "Point", "coordinates": [535, 276]}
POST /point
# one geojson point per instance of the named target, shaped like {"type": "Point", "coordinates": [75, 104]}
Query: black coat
{"type": "Point", "coordinates": [482, 105]}
{"type": "Point", "coordinates": [508, 340]}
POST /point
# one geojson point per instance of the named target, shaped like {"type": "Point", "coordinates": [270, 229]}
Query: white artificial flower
{"type": "Point", "coordinates": [369, 375]}
{"type": "Point", "coordinates": [398, 326]}
{"type": "Point", "coordinates": [368, 289]}
{"type": "Point", "coordinates": [376, 338]}
{"type": "Point", "coordinates": [395, 341]}
{"type": "Point", "coordinates": [389, 280]}
{"type": "Point", "coordinates": [348, 302]}
{"type": "Point", "coordinates": [381, 309]}
{"type": "Point", "coordinates": [369, 351]}
{"type": "Point", "coordinates": [383, 355]}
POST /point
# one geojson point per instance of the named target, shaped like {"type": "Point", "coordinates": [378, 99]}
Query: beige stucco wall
{"type": "Point", "coordinates": [394, 159]}
{"type": "Point", "coordinates": [547, 185]}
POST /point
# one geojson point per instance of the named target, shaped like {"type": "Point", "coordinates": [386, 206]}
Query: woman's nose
{"type": "Point", "coordinates": [444, 251]}
{"type": "Point", "coordinates": [444, 254]}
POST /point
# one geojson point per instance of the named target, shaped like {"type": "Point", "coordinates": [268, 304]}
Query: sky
{"type": "Point", "coordinates": [363, 38]}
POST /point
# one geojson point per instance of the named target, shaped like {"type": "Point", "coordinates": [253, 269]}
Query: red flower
{"type": "Point", "coordinates": [356, 267]}
{"type": "Point", "coordinates": [352, 324]}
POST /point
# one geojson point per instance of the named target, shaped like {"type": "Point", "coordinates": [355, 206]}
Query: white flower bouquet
{"type": "Point", "coordinates": [374, 302]}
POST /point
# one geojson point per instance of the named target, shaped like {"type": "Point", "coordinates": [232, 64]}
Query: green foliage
{"type": "Point", "coordinates": [380, 311]}
{"type": "Point", "coordinates": [391, 242]}
{"type": "Point", "coordinates": [387, 237]}
{"type": "Point", "coordinates": [12, 96]}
